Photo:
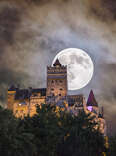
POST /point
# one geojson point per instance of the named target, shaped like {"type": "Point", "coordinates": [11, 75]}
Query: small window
{"type": "Point", "coordinates": [52, 81]}
{"type": "Point", "coordinates": [79, 110]}
{"type": "Point", "coordinates": [52, 89]}
{"type": "Point", "coordinates": [60, 81]}
{"type": "Point", "coordinates": [52, 94]}
{"type": "Point", "coordinates": [16, 111]}
{"type": "Point", "coordinates": [61, 89]}
{"type": "Point", "coordinates": [35, 94]}
{"type": "Point", "coordinates": [21, 111]}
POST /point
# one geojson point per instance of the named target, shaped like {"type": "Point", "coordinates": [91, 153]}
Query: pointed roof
{"type": "Point", "coordinates": [57, 63]}
{"type": "Point", "coordinates": [12, 88]}
{"type": "Point", "coordinates": [91, 100]}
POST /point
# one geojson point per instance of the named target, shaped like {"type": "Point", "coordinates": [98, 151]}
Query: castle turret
{"type": "Point", "coordinates": [92, 104]}
{"type": "Point", "coordinates": [91, 100]}
{"type": "Point", "coordinates": [57, 80]}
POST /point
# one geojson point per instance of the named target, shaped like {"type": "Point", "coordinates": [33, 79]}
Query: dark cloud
{"type": "Point", "coordinates": [45, 1]}
{"type": "Point", "coordinates": [103, 9]}
{"type": "Point", "coordinates": [9, 21]}
{"type": "Point", "coordinates": [110, 6]}
{"type": "Point", "coordinates": [32, 32]}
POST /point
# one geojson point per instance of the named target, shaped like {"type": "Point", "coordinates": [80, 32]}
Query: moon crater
{"type": "Point", "coordinates": [79, 67]}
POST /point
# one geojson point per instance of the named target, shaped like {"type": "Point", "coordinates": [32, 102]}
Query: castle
{"type": "Point", "coordinates": [23, 101]}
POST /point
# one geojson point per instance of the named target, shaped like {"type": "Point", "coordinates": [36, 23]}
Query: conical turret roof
{"type": "Point", "coordinates": [12, 88]}
{"type": "Point", "coordinates": [57, 63]}
{"type": "Point", "coordinates": [91, 100]}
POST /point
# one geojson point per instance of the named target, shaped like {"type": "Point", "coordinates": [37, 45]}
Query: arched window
{"type": "Point", "coordinates": [21, 111]}
{"type": "Point", "coordinates": [52, 81]}
{"type": "Point", "coordinates": [16, 111]}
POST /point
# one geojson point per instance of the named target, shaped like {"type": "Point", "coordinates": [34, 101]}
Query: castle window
{"type": "Point", "coordinates": [16, 111]}
{"type": "Point", "coordinates": [61, 89]}
{"type": "Point", "coordinates": [35, 94]}
{"type": "Point", "coordinates": [21, 111]}
{"type": "Point", "coordinates": [79, 110]}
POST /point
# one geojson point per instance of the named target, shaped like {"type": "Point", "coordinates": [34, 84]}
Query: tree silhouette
{"type": "Point", "coordinates": [112, 145]}
{"type": "Point", "coordinates": [50, 132]}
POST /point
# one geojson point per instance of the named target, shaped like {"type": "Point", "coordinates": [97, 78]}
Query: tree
{"type": "Point", "coordinates": [112, 146]}
{"type": "Point", "coordinates": [61, 133]}
{"type": "Point", "coordinates": [14, 140]}
{"type": "Point", "coordinates": [81, 137]}
{"type": "Point", "coordinates": [45, 127]}
{"type": "Point", "coordinates": [50, 132]}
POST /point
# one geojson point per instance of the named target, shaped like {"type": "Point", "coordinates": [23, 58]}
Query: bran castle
{"type": "Point", "coordinates": [23, 101]}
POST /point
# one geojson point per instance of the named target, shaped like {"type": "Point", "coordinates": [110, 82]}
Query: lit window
{"type": "Point", "coordinates": [16, 111]}
{"type": "Point", "coordinates": [22, 103]}
{"type": "Point", "coordinates": [21, 111]}
{"type": "Point", "coordinates": [52, 81]}
{"type": "Point", "coordinates": [35, 94]}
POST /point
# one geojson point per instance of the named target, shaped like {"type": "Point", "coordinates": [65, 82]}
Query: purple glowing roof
{"type": "Point", "coordinates": [91, 100]}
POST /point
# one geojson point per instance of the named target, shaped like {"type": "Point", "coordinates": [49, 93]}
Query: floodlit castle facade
{"type": "Point", "coordinates": [23, 101]}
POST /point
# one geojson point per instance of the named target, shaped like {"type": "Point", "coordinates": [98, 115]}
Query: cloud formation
{"type": "Point", "coordinates": [32, 32]}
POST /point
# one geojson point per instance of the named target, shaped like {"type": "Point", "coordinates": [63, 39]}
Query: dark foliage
{"type": "Point", "coordinates": [50, 132]}
{"type": "Point", "coordinates": [112, 146]}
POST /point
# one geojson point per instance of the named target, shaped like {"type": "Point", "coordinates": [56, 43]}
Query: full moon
{"type": "Point", "coordinates": [79, 67]}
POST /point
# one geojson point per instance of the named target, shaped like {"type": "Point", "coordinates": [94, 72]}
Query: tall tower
{"type": "Point", "coordinates": [57, 80]}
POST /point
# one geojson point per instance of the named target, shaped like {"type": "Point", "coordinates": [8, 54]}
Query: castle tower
{"type": "Point", "coordinates": [11, 97]}
{"type": "Point", "coordinates": [92, 104]}
{"type": "Point", "coordinates": [57, 80]}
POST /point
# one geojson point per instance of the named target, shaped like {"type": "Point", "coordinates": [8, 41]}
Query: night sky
{"type": "Point", "coordinates": [32, 32]}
